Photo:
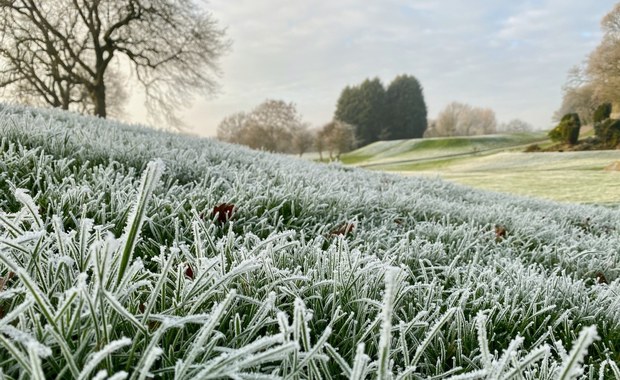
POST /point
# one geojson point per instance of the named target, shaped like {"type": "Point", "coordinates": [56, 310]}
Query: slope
{"type": "Point", "coordinates": [414, 150]}
{"type": "Point", "coordinates": [322, 271]}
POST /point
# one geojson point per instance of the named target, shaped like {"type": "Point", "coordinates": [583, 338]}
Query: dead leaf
{"type": "Point", "coordinates": [345, 229]}
{"type": "Point", "coordinates": [500, 232]}
{"type": "Point", "coordinates": [224, 212]}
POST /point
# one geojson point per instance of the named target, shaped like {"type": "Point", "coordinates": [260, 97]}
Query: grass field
{"type": "Point", "coordinates": [127, 253]}
{"type": "Point", "coordinates": [383, 152]}
{"type": "Point", "coordinates": [563, 176]}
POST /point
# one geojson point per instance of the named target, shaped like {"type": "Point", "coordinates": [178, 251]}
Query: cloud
{"type": "Point", "coordinates": [509, 56]}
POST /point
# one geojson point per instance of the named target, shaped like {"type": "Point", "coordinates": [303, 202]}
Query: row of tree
{"type": "Point", "coordinates": [459, 119]}
{"type": "Point", "coordinates": [274, 126]}
{"type": "Point", "coordinates": [597, 80]}
{"type": "Point", "coordinates": [379, 113]}
{"type": "Point", "coordinates": [277, 126]}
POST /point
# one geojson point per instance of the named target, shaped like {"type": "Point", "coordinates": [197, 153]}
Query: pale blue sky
{"type": "Point", "coordinates": [511, 56]}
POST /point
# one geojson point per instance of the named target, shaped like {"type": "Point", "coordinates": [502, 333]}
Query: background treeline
{"type": "Point", "coordinates": [277, 126]}
{"type": "Point", "coordinates": [364, 114]}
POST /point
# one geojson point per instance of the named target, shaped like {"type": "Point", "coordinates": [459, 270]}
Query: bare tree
{"type": "Point", "coordinates": [459, 119]}
{"type": "Point", "coordinates": [62, 52]}
{"type": "Point", "coordinates": [303, 140]}
{"type": "Point", "coordinates": [447, 122]}
{"type": "Point", "coordinates": [231, 129]}
{"type": "Point", "coordinates": [337, 137]}
{"type": "Point", "coordinates": [581, 100]}
{"type": "Point", "coordinates": [271, 126]}
{"type": "Point", "coordinates": [603, 66]}
{"type": "Point", "coordinates": [274, 126]}
{"type": "Point", "coordinates": [515, 126]}
{"type": "Point", "coordinates": [482, 121]}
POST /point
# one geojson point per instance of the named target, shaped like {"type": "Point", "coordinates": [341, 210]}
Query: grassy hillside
{"type": "Point", "coordinates": [116, 263]}
{"type": "Point", "coordinates": [383, 152]}
{"type": "Point", "coordinates": [562, 176]}
{"type": "Point", "coordinates": [568, 176]}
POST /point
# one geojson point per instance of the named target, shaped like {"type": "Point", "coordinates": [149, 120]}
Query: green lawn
{"type": "Point", "coordinates": [383, 152]}
{"type": "Point", "coordinates": [498, 163]}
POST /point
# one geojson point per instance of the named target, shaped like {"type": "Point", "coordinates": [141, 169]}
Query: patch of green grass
{"type": "Point", "coordinates": [424, 165]}
{"type": "Point", "coordinates": [351, 159]}
{"type": "Point", "coordinates": [568, 177]}
{"type": "Point", "coordinates": [575, 186]}
{"type": "Point", "coordinates": [431, 148]}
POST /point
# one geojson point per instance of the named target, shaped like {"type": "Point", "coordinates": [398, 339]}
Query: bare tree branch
{"type": "Point", "coordinates": [60, 52]}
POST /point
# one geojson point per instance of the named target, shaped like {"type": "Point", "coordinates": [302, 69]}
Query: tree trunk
{"type": "Point", "coordinates": [98, 96]}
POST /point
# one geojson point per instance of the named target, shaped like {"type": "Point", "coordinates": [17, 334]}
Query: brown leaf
{"type": "Point", "coordinates": [224, 212]}
{"type": "Point", "coordinates": [500, 232]}
{"type": "Point", "coordinates": [600, 278]}
{"type": "Point", "coordinates": [344, 229]}
{"type": "Point", "coordinates": [189, 272]}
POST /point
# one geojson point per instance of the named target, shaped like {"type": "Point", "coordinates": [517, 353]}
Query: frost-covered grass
{"type": "Point", "coordinates": [567, 177]}
{"type": "Point", "coordinates": [113, 266]}
{"type": "Point", "coordinates": [493, 163]}
{"type": "Point", "coordinates": [385, 152]}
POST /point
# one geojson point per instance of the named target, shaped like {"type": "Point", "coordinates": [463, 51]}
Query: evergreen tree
{"type": "Point", "coordinates": [363, 106]}
{"type": "Point", "coordinates": [406, 109]}
{"type": "Point", "coordinates": [373, 110]}
{"type": "Point", "coordinates": [349, 108]}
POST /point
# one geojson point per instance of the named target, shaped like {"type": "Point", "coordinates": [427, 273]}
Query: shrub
{"type": "Point", "coordinates": [608, 133]}
{"type": "Point", "coordinates": [533, 148]}
{"type": "Point", "coordinates": [567, 132]}
{"type": "Point", "coordinates": [602, 113]}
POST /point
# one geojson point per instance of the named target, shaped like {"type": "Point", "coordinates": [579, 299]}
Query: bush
{"type": "Point", "coordinates": [602, 113]}
{"type": "Point", "coordinates": [608, 133]}
{"type": "Point", "coordinates": [567, 132]}
{"type": "Point", "coordinates": [533, 148]}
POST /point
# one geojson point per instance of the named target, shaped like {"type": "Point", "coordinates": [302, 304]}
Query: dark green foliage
{"type": "Point", "coordinates": [406, 109]}
{"type": "Point", "coordinates": [363, 106]}
{"type": "Point", "coordinates": [567, 132]}
{"type": "Point", "coordinates": [379, 114]}
{"type": "Point", "coordinates": [602, 113]}
{"type": "Point", "coordinates": [373, 109]}
{"type": "Point", "coordinates": [349, 109]}
{"type": "Point", "coordinates": [533, 148]}
{"type": "Point", "coordinates": [608, 133]}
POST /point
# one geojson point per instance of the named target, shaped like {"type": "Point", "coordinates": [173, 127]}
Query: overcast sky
{"type": "Point", "coordinates": [511, 56]}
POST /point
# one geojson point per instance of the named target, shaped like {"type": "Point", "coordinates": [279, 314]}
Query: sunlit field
{"type": "Point", "coordinates": [583, 177]}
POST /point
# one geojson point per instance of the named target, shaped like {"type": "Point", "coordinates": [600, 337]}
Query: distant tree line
{"type": "Point", "coordinates": [276, 126]}
{"type": "Point", "coordinates": [459, 119]}
{"type": "Point", "coordinates": [365, 113]}
{"type": "Point", "coordinates": [379, 113]}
